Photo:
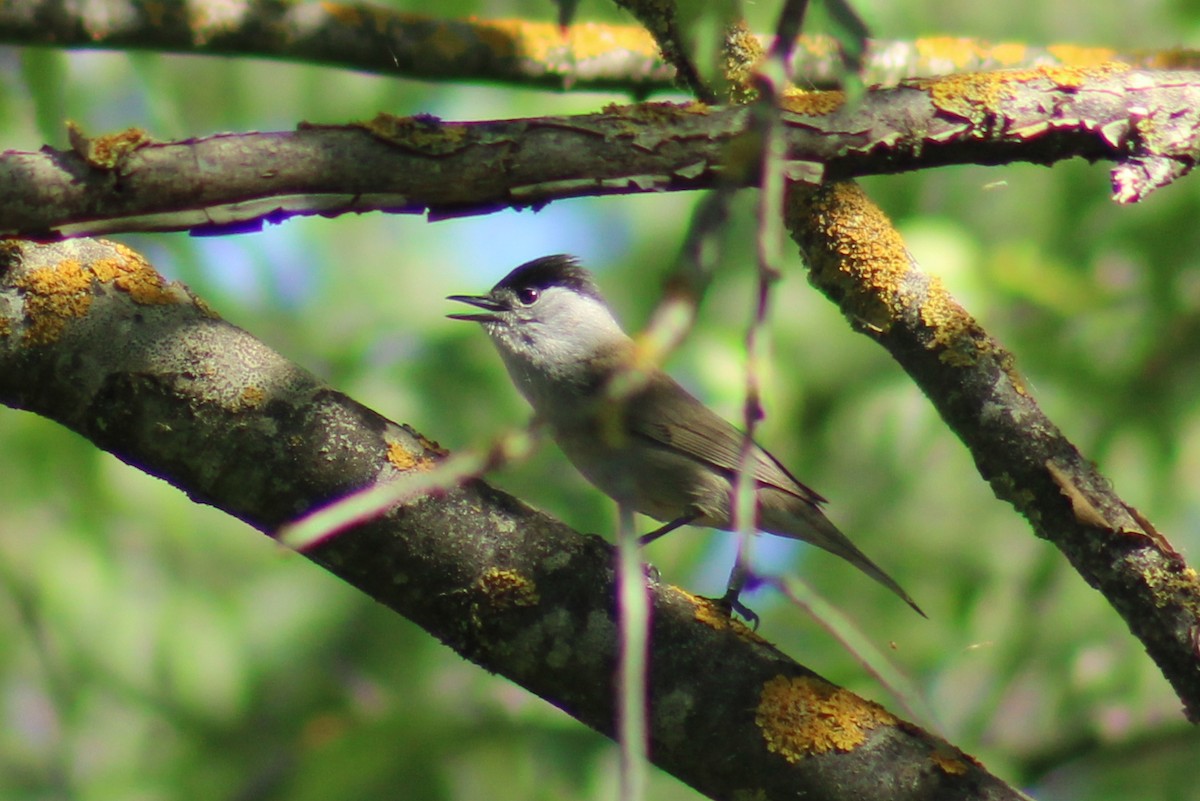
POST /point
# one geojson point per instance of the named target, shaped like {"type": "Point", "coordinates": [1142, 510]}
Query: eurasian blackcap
{"type": "Point", "coordinates": [659, 450]}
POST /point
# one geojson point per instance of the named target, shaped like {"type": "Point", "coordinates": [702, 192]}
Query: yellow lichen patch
{"type": "Point", "coordinates": [860, 252]}
{"type": "Point", "coordinates": [402, 459]}
{"type": "Point", "coordinates": [742, 53]}
{"type": "Point", "coordinates": [423, 134]}
{"type": "Point", "coordinates": [949, 763]}
{"type": "Point", "coordinates": [106, 152]}
{"type": "Point", "coordinates": [806, 715]}
{"type": "Point", "coordinates": [591, 40]}
{"type": "Point", "coordinates": [1075, 56]}
{"type": "Point", "coordinates": [709, 613]}
{"type": "Point", "coordinates": [1073, 77]}
{"type": "Point", "coordinates": [958, 54]}
{"type": "Point", "coordinates": [203, 307]}
{"type": "Point", "coordinates": [1008, 54]}
{"type": "Point", "coordinates": [1169, 60]}
{"type": "Point", "coordinates": [961, 52]}
{"type": "Point", "coordinates": [133, 274]}
{"type": "Point", "coordinates": [53, 296]}
{"type": "Point", "coordinates": [977, 95]}
{"type": "Point", "coordinates": [816, 104]}
{"type": "Point", "coordinates": [1168, 586]}
{"type": "Point", "coordinates": [347, 15]}
{"type": "Point", "coordinates": [954, 330]}
{"type": "Point", "coordinates": [508, 588]}
{"type": "Point", "coordinates": [544, 41]}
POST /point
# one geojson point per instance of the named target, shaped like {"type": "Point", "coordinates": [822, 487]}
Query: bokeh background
{"type": "Point", "coordinates": [151, 648]}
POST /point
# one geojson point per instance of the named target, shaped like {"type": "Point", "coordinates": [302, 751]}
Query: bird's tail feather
{"type": "Point", "coordinates": [799, 520]}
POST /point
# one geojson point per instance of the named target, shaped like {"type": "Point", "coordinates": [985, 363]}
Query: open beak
{"type": "Point", "coordinates": [481, 301]}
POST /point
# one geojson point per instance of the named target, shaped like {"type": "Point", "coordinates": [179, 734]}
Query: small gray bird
{"type": "Point", "coordinates": [660, 450]}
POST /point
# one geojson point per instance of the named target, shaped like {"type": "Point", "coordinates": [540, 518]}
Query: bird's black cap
{"type": "Point", "coordinates": [559, 270]}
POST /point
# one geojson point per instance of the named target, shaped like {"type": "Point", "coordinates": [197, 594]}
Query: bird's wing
{"type": "Point", "coordinates": [668, 414]}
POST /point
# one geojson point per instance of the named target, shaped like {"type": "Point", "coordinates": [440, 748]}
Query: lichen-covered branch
{"type": "Point", "coordinates": [188, 397]}
{"type": "Point", "coordinates": [1146, 122]}
{"type": "Point", "coordinates": [856, 258]}
{"type": "Point", "coordinates": [364, 37]}
{"type": "Point", "coordinates": [517, 52]}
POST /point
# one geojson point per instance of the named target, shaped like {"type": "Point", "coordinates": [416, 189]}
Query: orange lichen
{"type": "Point", "coordinates": [956, 53]}
{"type": "Point", "coordinates": [1007, 54]}
{"type": "Point", "coordinates": [108, 151]}
{"type": "Point", "coordinates": [401, 458]}
{"type": "Point", "coordinates": [978, 95]}
{"type": "Point", "coordinates": [711, 614]}
{"type": "Point", "coordinates": [508, 588]}
{"type": "Point", "coordinates": [861, 256]}
{"type": "Point", "coordinates": [53, 296]}
{"type": "Point", "coordinates": [742, 53]}
{"type": "Point", "coordinates": [953, 328]}
{"type": "Point", "coordinates": [959, 51]}
{"type": "Point", "coordinates": [949, 763]}
{"type": "Point", "coordinates": [203, 307]}
{"type": "Point", "coordinates": [863, 253]}
{"type": "Point", "coordinates": [1169, 59]}
{"type": "Point", "coordinates": [132, 274]}
{"type": "Point", "coordinates": [805, 715]}
{"type": "Point", "coordinates": [545, 41]}
{"type": "Point", "coordinates": [1076, 56]}
{"type": "Point", "coordinates": [799, 101]}
{"type": "Point", "coordinates": [350, 16]}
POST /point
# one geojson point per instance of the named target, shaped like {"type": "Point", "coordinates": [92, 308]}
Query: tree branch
{"type": "Point", "coordinates": [517, 52]}
{"type": "Point", "coordinates": [857, 259]}
{"type": "Point", "coordinates": [185, 396]}
{"type": "Point", "coordinates": [1147, 122]}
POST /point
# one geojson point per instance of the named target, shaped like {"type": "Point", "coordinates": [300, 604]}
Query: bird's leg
{"type": "Point", "coordinates": [646, 539]}
{"type": "Point", "coordinates": [738, 578]}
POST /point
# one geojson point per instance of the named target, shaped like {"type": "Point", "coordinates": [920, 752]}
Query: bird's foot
{"type": "Point", "coordinates": [729, 603]}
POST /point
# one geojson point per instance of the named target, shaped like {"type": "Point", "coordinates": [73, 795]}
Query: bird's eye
{"type": "Point", "coordinates": [527, 295]}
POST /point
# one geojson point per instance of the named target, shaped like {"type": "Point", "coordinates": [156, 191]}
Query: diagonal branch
{"type": "Point", "coordinates": [857, 259]}
{"type": "Point", "coordinates": [1146, 122]}
{"type": "Point", "coordinates": [185, 396]}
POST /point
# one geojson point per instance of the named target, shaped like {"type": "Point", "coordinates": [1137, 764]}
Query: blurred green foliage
{"type": "Point", "coordinates": [152, 648]}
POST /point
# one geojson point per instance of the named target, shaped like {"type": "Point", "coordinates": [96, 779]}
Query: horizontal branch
{"type": "Point", "coordinates": [857, 259]}
{"type": "Point", "coordinates": [517, 52]}
{"type": "Point", "coordinates": [192, 399]}
{"type": "Point", "coordinates": [1147, 122]}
